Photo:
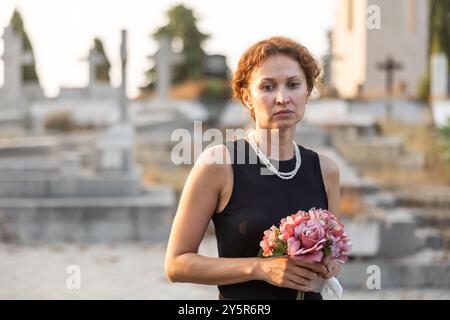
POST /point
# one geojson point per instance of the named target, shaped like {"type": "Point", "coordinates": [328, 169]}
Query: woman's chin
{"type": "Point", "coordinates": [284, 124]}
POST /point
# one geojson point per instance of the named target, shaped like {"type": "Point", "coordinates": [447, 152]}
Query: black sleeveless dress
{"type": "Point", "coordinates": [259, 201]}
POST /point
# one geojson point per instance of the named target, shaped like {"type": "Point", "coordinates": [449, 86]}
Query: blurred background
{"type": "Point", "coordinates": [92, 92]}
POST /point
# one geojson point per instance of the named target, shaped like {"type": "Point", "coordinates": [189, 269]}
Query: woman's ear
{"type": "Point", "coordinates": [247, 99]}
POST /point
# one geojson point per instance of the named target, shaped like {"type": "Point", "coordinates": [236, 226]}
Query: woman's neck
{"type": "Point", "coordinates": [275, 143]}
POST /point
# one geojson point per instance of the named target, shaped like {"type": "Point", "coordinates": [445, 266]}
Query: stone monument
{"type": "Point", "coordinates": [13, 59]}
{"type": "Point", "coordinates": [439, 76]}
{"type": "Point", "coordinates": [115, 148]}
{"type": "Point", "coordinates": [165, 59]}
{"type": "Point", "coordinates": [439, 89]}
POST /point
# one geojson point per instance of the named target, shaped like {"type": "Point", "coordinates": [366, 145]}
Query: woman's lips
{"type": "Point", "coordinates": [284, 112]}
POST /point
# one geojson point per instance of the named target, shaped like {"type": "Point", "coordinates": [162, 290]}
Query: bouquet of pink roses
{"type": "Point", "coordinates": [312, 236]}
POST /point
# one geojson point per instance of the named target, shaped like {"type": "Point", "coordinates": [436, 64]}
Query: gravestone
{"type": "Point", "coordinates": [98, 84]}
{"type": "Point", "coordinates": [123, 100]}
{"type": "Point", "coordinates": [439, 76]}
{"type": "Point", "coordinates": [365, 237]}
{"type": "Point", "coordinates": [14, 58]}
{"type": "Point", "coordinates": [397, 234]}
{"type": "Point", "coordinates": [95, 59]}
{"type": "Point", "coordinates": [115, 148]}
{"type": "Point", "coordinates": [165, 59]}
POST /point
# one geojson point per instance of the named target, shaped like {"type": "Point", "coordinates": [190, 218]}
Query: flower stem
{"type": "Point", "coordinates": [301, 295]}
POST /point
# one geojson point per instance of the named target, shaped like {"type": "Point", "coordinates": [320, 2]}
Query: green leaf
{"type": "Point", "coordinates": [279, 252]}
{"type": "Point", "coordinates": [260, 253]}
{"type": "Point", "coordinates": [326, 252]}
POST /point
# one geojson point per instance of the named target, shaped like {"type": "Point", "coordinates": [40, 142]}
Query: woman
{"type": "Point", "coordinates": [274, 81]}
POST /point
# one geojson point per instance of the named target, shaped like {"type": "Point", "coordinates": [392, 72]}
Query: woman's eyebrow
{"type": "Point", "coordinates": [272, 79]}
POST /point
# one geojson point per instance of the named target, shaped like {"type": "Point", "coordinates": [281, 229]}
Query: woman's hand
{"type": "Point", "coordinates": [290, 272]}
{"type": "Point", "coordinates": [332, 269]}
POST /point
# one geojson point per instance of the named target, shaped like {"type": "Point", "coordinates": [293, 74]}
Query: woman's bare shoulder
{"type": "Point", "coordinates": [215, 162]}
{"type": "Point", "coordinates": [329, 168]}
{"type": "Point", "coordinates": [216, 156]}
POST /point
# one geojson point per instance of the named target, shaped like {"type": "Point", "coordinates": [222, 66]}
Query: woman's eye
{"type": "Point", "coordinates": [294, 85]}
{"type": "Point", "coordinates": [267, 87]}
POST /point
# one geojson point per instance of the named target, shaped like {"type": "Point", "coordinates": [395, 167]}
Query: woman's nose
{"type": "Point", "coordinates": [282, 97]}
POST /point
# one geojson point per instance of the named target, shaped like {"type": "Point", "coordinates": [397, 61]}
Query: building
{"type": "Point", "coordinates": [367, 32]}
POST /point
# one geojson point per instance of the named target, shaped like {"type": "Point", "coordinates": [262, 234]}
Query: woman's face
{"type": "Point", "coordinates": [277, 93]}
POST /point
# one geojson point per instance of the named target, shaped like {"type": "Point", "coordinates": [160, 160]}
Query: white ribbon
{"type": "Point", "coordinates": [328, 287]}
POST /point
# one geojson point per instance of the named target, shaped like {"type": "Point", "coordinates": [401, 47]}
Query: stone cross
{"type": "Point", "coordinates": [165, 59]}
{"type": "Point", "coordinates": [389, 66]}
{"type": "Point", "coordinates": [95, 59]}
{"type": "Point", "coordinates": [115, 148]}
{"type": "Point", "coordinates": [123, 86]}
{"type": "Point", "coordinates": [14, 57]}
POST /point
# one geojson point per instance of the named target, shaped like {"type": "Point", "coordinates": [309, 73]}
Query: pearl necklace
{"type": "Point", "coordinates": [269, 165]}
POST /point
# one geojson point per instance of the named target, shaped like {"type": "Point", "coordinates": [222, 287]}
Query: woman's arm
{"type": "Point", "coordinates": [330, 174]}
{"type": "Point", "coordinates": [198, 203]}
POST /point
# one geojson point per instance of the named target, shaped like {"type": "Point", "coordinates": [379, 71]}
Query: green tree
{"type": "Point", "coordinates": [28, 71]}
{"type": "Point", "coordinates": [182, 26]}
{"type": "Point", "coordinates": [440, 26]}
{"type": "Point", "coordinates": [102, 70]}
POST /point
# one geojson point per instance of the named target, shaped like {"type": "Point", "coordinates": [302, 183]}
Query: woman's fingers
{"type": "Point", "coordinates": [314, 267]}
{"type": "Point", "coordinates": [299, 280]}
{"type": "Point", "coordinates": [292, 285]}
{"type": "Point", "coordinates": [334, 270]}
{"type": "Point", "coordinates": [305, 273]}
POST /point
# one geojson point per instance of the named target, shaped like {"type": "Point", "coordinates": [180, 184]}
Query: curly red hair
{"type": "Point", "coordinates": [258, 53]}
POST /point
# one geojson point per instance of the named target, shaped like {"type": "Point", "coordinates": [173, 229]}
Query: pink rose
{"type": "Point", "coordinates": [308, 241]}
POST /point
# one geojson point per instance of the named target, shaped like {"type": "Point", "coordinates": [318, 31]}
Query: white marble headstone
{"type": "Point", "coordinates": [165, 59]}
{"type": "Point", "coordinates": [14, 57]}
{"type": "Point", "coordinates": [95, 59]}
{"type": "Point", "coordinates": [439, 76]}
{"type": "Point", "coordinates": [114, 149]}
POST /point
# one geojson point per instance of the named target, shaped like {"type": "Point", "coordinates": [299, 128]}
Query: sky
{"type": "Point", "coordinates": [62, 32]}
